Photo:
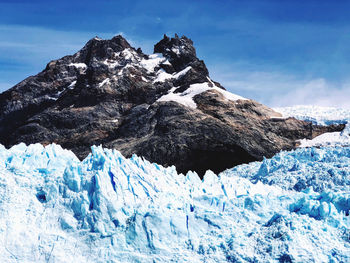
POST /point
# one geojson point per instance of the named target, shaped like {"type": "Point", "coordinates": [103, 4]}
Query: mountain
{"type": "Point", "coordinates": [163, 106]}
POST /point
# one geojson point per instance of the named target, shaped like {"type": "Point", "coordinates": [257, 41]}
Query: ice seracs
{"type": "Point", "coordinates": [321, 169]}
{"type": "Point", "coordinates": [54, 208]}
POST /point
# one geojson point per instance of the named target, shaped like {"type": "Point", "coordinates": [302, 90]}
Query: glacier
{"type": "Point", "coordinates": [321, 116]}
{"type": "Point", "coordinates": [316, 114]}
{"type": "Point", "coordinates": [293, 207]}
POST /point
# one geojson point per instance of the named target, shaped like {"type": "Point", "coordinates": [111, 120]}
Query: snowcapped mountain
{"type": "Point", "coordinates": [55, 208]}
{"type": "Point", "coordinates": [109, 205]}
{"type": "Point", "coordinates": [163, 106]}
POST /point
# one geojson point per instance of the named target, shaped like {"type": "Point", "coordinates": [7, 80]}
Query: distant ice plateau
{"type": "Point", "coordinates": [322, 116]}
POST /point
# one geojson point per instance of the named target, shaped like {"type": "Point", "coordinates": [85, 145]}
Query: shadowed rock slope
{"type": "Point", "coordinates": [163, 107]}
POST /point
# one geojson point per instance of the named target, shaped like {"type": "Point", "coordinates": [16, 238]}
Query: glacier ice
{"type": "Point", "coordinates": [316, 114]}
{"type": "Point", "coordinates": [322, 116]}
{"type": "Point", "coordinates": [106, 208]}
{"type": "Point", "coordinates": [320, 169]}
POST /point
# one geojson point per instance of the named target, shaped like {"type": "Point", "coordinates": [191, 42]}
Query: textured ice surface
{"type": "Point", "coordinates": [321, 169]}
{"type": "Point", "coordinates": [54, 208]}
{"type": "Point", "coordinates": [316, 114]}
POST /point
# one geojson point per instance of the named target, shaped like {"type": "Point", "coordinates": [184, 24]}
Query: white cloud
{"type": "Point", "coordinates": [37, 42]}
{"type": "Point", "coordinates": [30, 44]}
{"type": "Point", "coordinates": [316, 92]}
{"type": "Point", "coordinates": [25, 50]}
{"type": "Point", "coordinates": [278, 89]}
{"type": "Point", "coordinates": [33, 47]}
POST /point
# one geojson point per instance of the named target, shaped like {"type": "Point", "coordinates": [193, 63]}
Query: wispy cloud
{"type": "Point", "coordinates": [278, 89]}
{"type": "Point", "coordinates": [26, 50]}
{"type": "Point", "coordinates": [41, 41]}
{"type": "Point", "coordinates": [316, 92]}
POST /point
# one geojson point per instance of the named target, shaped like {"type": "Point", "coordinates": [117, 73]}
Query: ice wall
{"type": "Point", "coordinates": [54, 208]}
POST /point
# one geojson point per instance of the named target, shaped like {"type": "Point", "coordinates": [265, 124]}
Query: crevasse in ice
{"type": "Point", "coordinates": [321, 169]}
{"type": "Point", "coordinates": [55, 208]}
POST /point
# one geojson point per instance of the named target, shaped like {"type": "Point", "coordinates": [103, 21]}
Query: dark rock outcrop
{"type": "Point", "coordinates": [163, 107]}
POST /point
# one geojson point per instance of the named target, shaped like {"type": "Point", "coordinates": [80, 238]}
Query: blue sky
{"type": "Point", "coordinates": [276, 52]}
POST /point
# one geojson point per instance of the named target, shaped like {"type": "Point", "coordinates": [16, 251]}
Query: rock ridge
{"type": "Point", "coordinates": [163, 106]}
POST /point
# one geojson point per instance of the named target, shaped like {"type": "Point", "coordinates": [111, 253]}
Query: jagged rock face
{"type": "Point", "coordinates": [162, 106]}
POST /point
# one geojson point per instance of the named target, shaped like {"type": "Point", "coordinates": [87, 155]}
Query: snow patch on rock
{"type": "Point", "coordinates": [111, 63]}
{"type": "Point", "coordinates": [182, 72]}
{"type": "Point", "coordinates": [162, 76]}
{"type": "Point", "coordinates": [129, 54]}
{"type": "Point", "coordinates": [105, 81]}
{"type": "Point", "coordinates": [78, 65]}
{"type": "Point", "coordinates": [186, 97]}
{"type": "Point", "coordinates": [72, 85]}
{"type": "Point", "coordinates": [153, 61]}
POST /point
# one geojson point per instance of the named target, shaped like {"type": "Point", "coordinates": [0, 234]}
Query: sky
{"type": "Point", "coordinates": [280, 53]}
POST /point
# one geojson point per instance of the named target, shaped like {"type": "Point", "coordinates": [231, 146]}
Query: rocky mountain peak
{"type": "Point", "coordinates": [97, 48]}
{"type": "Point", "coordinates": [162, 106]}
{"type": "Point", "coordinates": [175, 47]}
{"type": "Point", "coordinates": [180, 52]}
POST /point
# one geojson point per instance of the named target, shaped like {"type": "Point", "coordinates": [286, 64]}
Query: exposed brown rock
{"type": "Point", "coordinates": [104, 95]}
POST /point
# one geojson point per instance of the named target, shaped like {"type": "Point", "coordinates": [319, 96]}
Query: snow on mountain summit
{"type": "Point", "coordinates": [185, 172]}
{"type": "Point", "coordinates": [162, 106]}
